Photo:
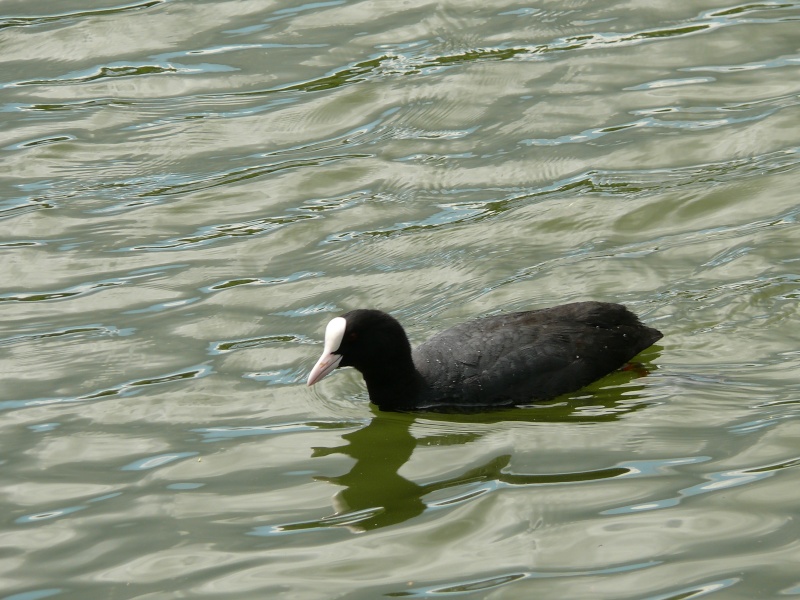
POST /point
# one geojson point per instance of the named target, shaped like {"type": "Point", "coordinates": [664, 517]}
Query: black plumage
{"type": "Point", "coordinates": [496, 361]}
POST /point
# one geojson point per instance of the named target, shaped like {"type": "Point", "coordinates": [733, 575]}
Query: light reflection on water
{"type": "Point", "coordinates": [191, 190]}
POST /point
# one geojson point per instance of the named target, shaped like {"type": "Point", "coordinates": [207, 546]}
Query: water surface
{"type": "Point", "coordinates": [190, 190]}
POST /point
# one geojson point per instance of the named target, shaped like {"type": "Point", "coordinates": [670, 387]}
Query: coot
{"type": "Point", "coordinates": [497, 361]}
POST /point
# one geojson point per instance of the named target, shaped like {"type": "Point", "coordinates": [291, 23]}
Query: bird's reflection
{"type": "Point", "coordinates": [375, 495]}
{"type": "Point", "coordinates": [373, 489]}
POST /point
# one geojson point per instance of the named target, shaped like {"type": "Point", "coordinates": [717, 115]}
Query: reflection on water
{"type": "Point", "coordinates": [379, 496]}
{"type": "Point", "coordinates": [190, 190]}
{"type": "Point", "coordinates": [375, 495]}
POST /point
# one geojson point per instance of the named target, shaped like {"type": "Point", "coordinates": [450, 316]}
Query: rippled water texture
{"type": "Point", "coordinates": [190, 190]}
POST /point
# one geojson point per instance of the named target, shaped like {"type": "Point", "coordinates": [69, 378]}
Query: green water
{"type": "Point", "coordinates": [190, 190]}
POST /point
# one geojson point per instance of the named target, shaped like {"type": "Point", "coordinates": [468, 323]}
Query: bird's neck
{"type": "Point", "coordinates": [396, 388]}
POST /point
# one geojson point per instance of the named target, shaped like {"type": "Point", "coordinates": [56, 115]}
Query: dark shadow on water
{"type": "Point", "coordinates": [375, 495]}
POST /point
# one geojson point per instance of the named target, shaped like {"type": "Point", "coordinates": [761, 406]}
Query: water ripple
{"type": "Point", "coordinates": [473, 585]}
{"type": "Point", "coordinates": [153, 462]}
{"type": "Point", "coordinates": [637, 183]}
{"type": "Point", "coordinates": [77, 15]}
{"type": "Point", "coordinates": [86, 288]}
{"type": "Point", "coordinates": [63, 512]}
{"type": "Point", "coordinates": [125, 389]}
{"type": "Point", "coordinates": [391, 64]}
{"type": "Point", "coordinates": [189, 190]}
{"type": "Point", "coordinates": [718, 481]}
{"type": "Point", "coordinates": [73, 333]}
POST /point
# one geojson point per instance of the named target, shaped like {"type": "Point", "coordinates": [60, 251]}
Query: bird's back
{"type": "Point", "coordinates": [534, 355]}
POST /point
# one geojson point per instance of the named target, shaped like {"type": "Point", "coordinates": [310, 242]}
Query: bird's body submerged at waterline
{"type": "Point", "coordinates": [504, 360]}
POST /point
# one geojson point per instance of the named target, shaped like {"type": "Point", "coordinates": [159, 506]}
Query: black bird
{"type": "Point", "coordinates": [504, 360]}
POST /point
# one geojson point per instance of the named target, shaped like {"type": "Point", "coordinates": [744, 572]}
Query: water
{"type": "Point", "coordinates": [190, 190]}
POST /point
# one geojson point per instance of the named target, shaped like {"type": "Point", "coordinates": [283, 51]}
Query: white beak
{"type": "Point", "coordinates": [326, 363]}
{"type": "Point", "coordinates": [334, 333]}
